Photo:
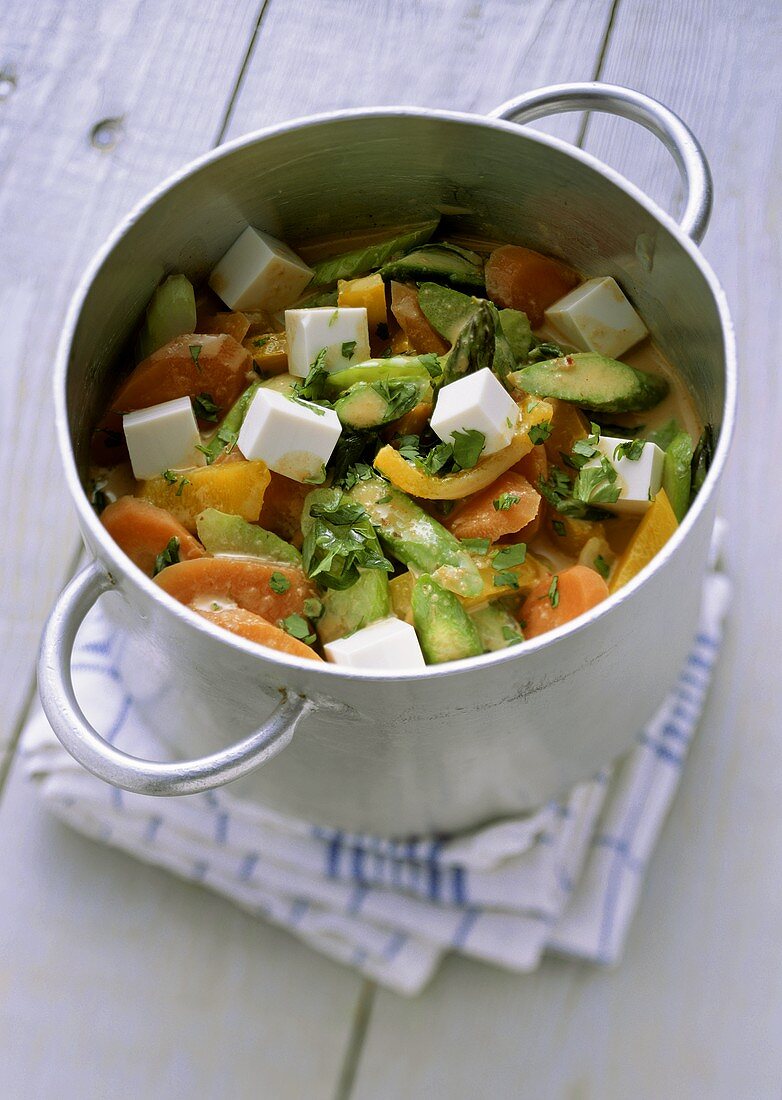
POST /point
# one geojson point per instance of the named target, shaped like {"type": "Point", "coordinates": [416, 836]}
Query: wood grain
{"type": "Point", "coordinates": [461, 55]}
{"type": "Point", "coordinates": [108, 99]}
{"type": "Point", "coordinates": [694, 1008]}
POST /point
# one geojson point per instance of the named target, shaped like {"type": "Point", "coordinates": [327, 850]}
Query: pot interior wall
{"type": "Point", "coordinates": [387, 169]}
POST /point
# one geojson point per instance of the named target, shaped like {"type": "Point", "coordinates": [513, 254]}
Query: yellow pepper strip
{"type": "Point", "coordinates": [411, 480]}
{"type": "Point", "coordinates": [234, 487]}
{"type": "Point", "coordinates": [527, 574]}
{"type": "Point", "coordinates": [652, 533]}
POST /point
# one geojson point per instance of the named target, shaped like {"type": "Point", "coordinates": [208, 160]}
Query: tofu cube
{"type": "Point", "coordinates": [596, 316]}
{"type": "Point", "coordinates": [342, 331]}
{"type": "Point", "coordinates": [163, 437]}
{"type": "Point", "coordinates": [479, 402]}
{"type": "Point", "coordinates": [259, 272]}
{"type": "Point", "coordinates": [387, 644]}
{"type": "Point", "coordinates": [293, 438]}
{"type": "Point", "coordinates": [638, 480]}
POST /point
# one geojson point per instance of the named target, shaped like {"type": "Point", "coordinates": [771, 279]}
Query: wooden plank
{"type": "Point", "coordinates": [106, 101]}
{"type": "Point", "coordinates": [694, 1006]}
{"type": "Point", "coordinates": [462, 55]}
{"type": "Point", "coordinates": [117, 979]}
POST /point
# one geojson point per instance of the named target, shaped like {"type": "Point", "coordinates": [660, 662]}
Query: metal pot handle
{"type": "Point", "coordinates": [613, 99]}
{"type": "Point", "coordinates": [112, 765]}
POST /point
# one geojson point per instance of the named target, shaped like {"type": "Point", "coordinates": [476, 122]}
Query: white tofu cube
{"type": "Point", "coordinates": [477, 402]}
{"type": "Point", "coordinates": [293, 438]}
{"type": "Point", "coordinates": [638, 480]}
{"type": "Point", "coordinates": [163, 437]}
{"type": "Point", "coordinates": [387, 644]}
{"type": "Point", "coordinates": [344, 333]}
{"type": "Point", "coordinates": [259, 272]}
{"type": "Point", "coordinates": [596, 316]}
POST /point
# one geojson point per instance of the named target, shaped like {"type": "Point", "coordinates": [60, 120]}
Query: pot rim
{"type": "Point", "coordinates": [118, 563]}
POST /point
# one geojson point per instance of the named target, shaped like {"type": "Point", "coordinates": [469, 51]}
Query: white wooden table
{"type": "Point", "coordinates": [115, 979]}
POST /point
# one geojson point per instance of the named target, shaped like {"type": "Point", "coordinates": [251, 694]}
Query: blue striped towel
{"type": "Point", "coordinates": [564, 879]}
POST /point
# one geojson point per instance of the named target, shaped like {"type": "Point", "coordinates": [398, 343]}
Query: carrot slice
{"type": "Point", "coordinates": [577, 589]}
{"type": "Point", "coordinates": [241, 581]}
{"type": "Point", "coordinates": [405, 307]}
{"type": "Point", "coordinates": [255, 629]}
{"type": "Point", "coordinates": [142, 531]}
{"type": "Point", "coordinates": [478, 518]}
{"type": "Point", "coordinates": [185, 367]}
{"type": "Point", "coordinates": [519, 278]}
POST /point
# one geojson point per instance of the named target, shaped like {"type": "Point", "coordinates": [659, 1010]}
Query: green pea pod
{"type": "Point", "coordinates": [411, 536]}
{"type": "Point", "coordinates": [396, 367]}
{"type": "Point", "coordinates": [445, 630]}
{"type": "Point", "coordinates": [677, 475]}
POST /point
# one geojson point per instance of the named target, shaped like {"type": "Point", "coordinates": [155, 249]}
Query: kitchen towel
{"type": "Point", "coordinates": [565, 879]}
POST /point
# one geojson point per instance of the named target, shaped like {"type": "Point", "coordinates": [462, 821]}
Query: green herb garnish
{"type": "Point", "coordinates": [559, 527]}
{"type": "Point", "coordinates": [505, 501]}
{"type": "Point", "coordinates": [168, 556]}
{"type": "Point", "coordinates": [539, 433]}
{"type": "Point", "coordinates": [467, 447]}
{"type": "Point", "coordinates": [432, 364]}
{"type": "Point", "coordinates": [195, 351]}
{"type": "Point", "coordinates": [510, 556]}
{"type": "Point", "coordinates": [205, 408]}
{"type": "Point", "coordinates": [279, 583]}
{"type": "Point", "coordinates": [298, 627]}
{"type": "Point", "coordinates": [597, 484]}
{"type": "Point", "coordinates": [631, 450]}
{"type": "Point", "coordinates": [476, 546]}
{"type": "Point", "coordinates": [184, 481]}
{"type": "Point", "coordinates": [553, 591]}
{"type": "Point", "coordinates": [506, 580]}
{"type": "Point", "coordinates": [340, 542]}
{"type": "Point", "coordinates": [348, 349]}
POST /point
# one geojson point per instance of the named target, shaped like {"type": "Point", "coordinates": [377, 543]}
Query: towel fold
{"type": "Point", "coordinates": [564, 879]}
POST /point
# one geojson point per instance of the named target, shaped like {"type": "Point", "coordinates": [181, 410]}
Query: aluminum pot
{"type": "Point", "coordinates": [459, 744]}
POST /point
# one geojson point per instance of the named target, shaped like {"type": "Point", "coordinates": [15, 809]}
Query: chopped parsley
{"type": "Point", "coordinates": [168, 556]}
{"type": "Point", "coordinates": [602, 566]}
{"type": "Point", "coordinates": [205, 408]}
{"type": "Point", "coordinates": [348, 349]}
{"type": "Point", "coordinates": [184, 481]}
{"type": "Point", "coordinates": [432, 364]}
{"type": "Point", "coordinates": [313, 388]}
{"type": "Point", "coordinates": [298, 627]}
{"type": "Point", "coordinates": [333, 318]}
{"type": "Point", "coordinates": [560, 492]}
{"type": "Point", "coordinates": [553, 591]}
{"type": "Point", "coordinates": [631, 450]}
{"type": "Point", "coordinates": [279, 583]}
{"type": "Point", "coordinates": [506, 580]}
{"type": "Point", "coordinates": [597, 484]}
{"type": "Point", "coordinates": [505, 501]}
{"type": "Point", "coordinates": [261, 342]}
{"type": "Point", "coordinates": [511, 636]}
{"type": "Point", "coordinates": [539, 433]}
{"type": "Point", "coordinates": [169, 476]}
{"type": "Point", "coordinates": [476, 546]}
{"type": "Point", "coordinates": [195, 351]}
{"type": "Point", "coordinates": [510, 556]}
{"type": "Point", "coordinates": [467, 447]}
{"type": "Point", "coordinates": [340, 542]}
{"type": "Point", "coordinates": [399, 396]}
{"type": "Point", "coordinates": [559, 527]}
{"type": "Point", "coordinates": [544, 349]}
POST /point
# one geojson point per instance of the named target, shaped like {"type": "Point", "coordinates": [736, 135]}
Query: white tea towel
{"type": "Point", "coordinates": [566, 878]}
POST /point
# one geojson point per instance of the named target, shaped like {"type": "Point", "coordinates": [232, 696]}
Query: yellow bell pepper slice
{"type": "Point", "coordinates": [416, 483]}
{"type": "Point", "coordinates": [652, 533]}
{"type": "Point", "coordinates": [234, 487]}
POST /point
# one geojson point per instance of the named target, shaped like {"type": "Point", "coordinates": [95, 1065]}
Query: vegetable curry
{"type": "Point", "coordinates": [396, 451]}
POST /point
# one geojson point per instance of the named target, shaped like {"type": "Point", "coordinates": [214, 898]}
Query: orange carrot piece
{"type": "Point", "coordinates": [519, 278]}
{"type": "Point", "coordinates": [477, 518]}
{"type": "Point", "coordinates": [142, 531]}
{"type": "Point", "coordinates": [256, 629]}
{"type": "Point", "coordinates": [185, 367]}
{"type": "Point", "coordinates": [412, 423]}
{"type": "Point", "coordinates": [578, 589]}
{"type": "Point", "coordinates": [232, 324]}
{"type": "Point", "coordinates": [243, 582]}
{"type": "Point", "coordinates": [405, 307]}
